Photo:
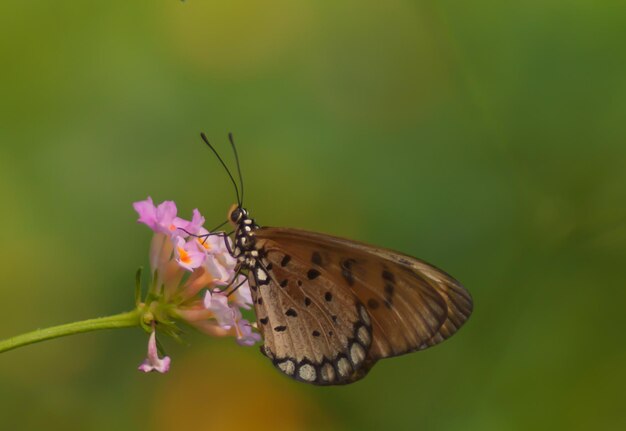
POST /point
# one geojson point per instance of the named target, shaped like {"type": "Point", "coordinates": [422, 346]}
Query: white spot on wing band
{"type": "Point", "coordinates": [364, 316]}
{"type": "Point", "coordinates": [357, 353]}
{"type": "Point", "coordinates": [343, 367]}
{"type": "Point", "coordinates": [307, 373]}
{"type": "Point", "coordinates": [364, 336]}
{"type": "Point", "coordinates": [328, 373]}
{"type": "Point", "coordinates": [287, 367]}
{"type": "Point", "coordinates": [261, 275]}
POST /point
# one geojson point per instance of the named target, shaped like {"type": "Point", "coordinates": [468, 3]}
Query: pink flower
{"type": "Point", "coordinates": [242, 296]}
{"type": "Point", "coordinates": [152, 361]}
{"type": "Point", "coordinates": [192, 227]}
{"type": "Point", "coordinates": [229, 316]}
{"type": "Point", "coordinates": [217, 303]}
{"type": "Point", "coordinates": [222, 275]}
{"type": "Point", "coordinates": [211, 244]}
{"type": "Point", "coordinates": [219, 263]}
{"type": "Point", "coordinates": [245, 336]}
{"type": "Point", "coordinates": [147, 212]}
{"type": "Point", "coordinates": [159, 219]}
{"type": "Point", "coordinates": [187, 264]}
{"type": "Point", "coordinates": [187, 254]}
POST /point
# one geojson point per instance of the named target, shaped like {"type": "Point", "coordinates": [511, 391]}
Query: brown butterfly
{"type": "Point", "coordinates": [329, 308]}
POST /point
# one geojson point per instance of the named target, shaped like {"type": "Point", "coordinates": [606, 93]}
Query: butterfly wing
{"type": "Point", "coordinates": [313, 332]}
{"type": "Point", "coordinates": [411, 305]}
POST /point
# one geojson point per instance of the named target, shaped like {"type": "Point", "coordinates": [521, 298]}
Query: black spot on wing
{"type": "Point", "coordinates": [346, 270]}
{"type": "Point", "coordinates": [388, 276]}
{"type": "Point", "coordinates": [316, 258]}
{"type": "Point", "coordinates": [312, 274]}
{"type": "Point", "coordinates": [373, 304]}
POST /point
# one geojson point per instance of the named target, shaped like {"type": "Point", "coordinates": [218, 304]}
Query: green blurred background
{"type": "Point", "coordinates": [485, 137]}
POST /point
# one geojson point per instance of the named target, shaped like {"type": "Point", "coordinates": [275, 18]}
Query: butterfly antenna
{"type": "Point", "coordinates": [206, 141]}
{"type": "Point", "coordinates": [232, 144]}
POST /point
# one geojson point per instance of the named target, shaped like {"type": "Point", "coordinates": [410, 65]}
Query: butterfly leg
{"type": "Point", "coordinates": [238, 286]}
{"type": "Point", "coordinates": [226, 236]}
{"type": "Point", "coordinates": [204, 237]}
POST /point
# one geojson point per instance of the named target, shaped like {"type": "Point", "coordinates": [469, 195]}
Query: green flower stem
{"type": "Point", "coordinates": [123, 320]}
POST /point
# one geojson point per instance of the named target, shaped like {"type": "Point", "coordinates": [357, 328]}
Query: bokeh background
{"type": "Point", "coordinates": [486, 137]}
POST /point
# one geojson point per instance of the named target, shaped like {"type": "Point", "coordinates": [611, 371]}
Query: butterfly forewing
{"type": "Point", "coordinates": [412, 305]}
{"type": "Point", "coordinates": [458, 302]}
{"type": "Point", "coordinates": [313, 331]}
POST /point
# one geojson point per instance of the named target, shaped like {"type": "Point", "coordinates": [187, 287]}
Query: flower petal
{"type": "Point", "coordinates": [199, 279]}
{"type": "Point", "coordinates": [153, 362]}
{"type": "Point", "coordinates": [165, 215]}
{"type": "Point", "coordinates": [187, 254]}
{"type": "Point", "coordinates": [245, 335]}
{"type": "Point", "coordinates": [147, 213]}
{"type": "Point", "coordinates": [217, 303]}
{"type": "Point", "coordinates": [221, 274]}
{"type": "Point", "coordinates": [185, 228]}
{"type": "Point", "coordinates": [196, 222]}
{"type": "Point", "coordinates": [160, 251]}
{"type": "Point", "coordinates": [242, 297]}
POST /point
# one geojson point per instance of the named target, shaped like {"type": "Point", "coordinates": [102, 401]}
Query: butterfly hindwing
{"type": "Point", "coordinates": [412, 305]}
{"type": "Point", "coordinates": [313, 331]}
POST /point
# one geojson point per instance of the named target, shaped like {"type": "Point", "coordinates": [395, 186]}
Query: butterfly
{"type": "Point", "coordinates": [329, 308]}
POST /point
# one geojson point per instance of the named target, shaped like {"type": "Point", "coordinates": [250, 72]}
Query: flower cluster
{"type": "Point", "coordinates": [190, 268]}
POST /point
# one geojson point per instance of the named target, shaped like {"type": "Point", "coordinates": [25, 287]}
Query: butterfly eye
{"type": "Point", "coordinates": [236, 215]}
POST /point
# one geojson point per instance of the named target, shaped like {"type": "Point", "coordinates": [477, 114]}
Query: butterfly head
{"type": "Point", "coordinates": [236, 214]}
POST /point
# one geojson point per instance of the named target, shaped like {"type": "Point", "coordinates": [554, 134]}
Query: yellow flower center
{"type": "Point", "coordinates": [184, 256]}
{"type": "Point", "coordinates": [204, 243]}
